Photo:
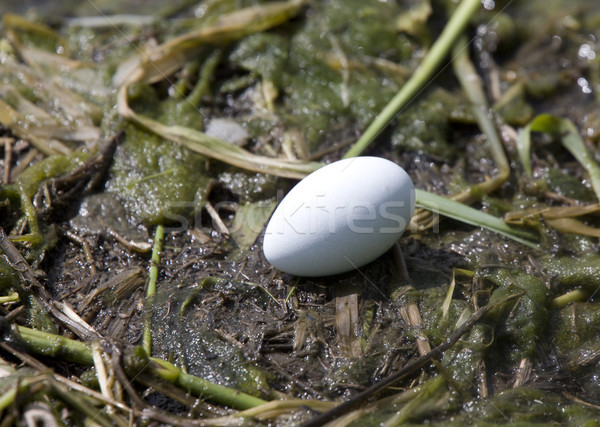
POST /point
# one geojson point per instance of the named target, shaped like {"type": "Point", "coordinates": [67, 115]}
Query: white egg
{"type": "Point", "coordinates": [340, 217]}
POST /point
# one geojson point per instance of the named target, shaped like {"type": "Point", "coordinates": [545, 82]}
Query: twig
{"type": "Point", "coordinates": [74, 400]}
{"type": "Point", "coordinates": [116, 361]}
{"type": "Point", "coordinates": [216, 219]}
{"type": "Point", "coordinates": [346, 320]}
{"type": "Point", "coordinates": [418, 363]}
{"type": "Point", "coordinates": [86, 249]}
{"type": "Point", "coordinates": [132, 245]}
{"type": "Point", "coordinates": [54, 194]}
{"type": "Point", "coordinates": [400, 263]}
{"type": "Point", "coordinates": [101, 373]}
{"type": "Point", "coordinates": [16, 260]}
{"type": "Point", "coordinates": [23, 163]}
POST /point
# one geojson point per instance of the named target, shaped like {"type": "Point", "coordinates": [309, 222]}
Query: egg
{"type": "Point", "coordinates": [340, 217]}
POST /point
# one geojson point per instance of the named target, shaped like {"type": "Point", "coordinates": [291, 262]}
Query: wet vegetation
{"type": "Point", "coordinates": [144, 148]}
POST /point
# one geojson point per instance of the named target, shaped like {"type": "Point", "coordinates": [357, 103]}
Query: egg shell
{"type": "Point", "coordinates": [340, 217]}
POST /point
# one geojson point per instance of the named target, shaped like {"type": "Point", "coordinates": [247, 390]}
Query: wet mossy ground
{"type": "Point", "coordinates": [306, 89]}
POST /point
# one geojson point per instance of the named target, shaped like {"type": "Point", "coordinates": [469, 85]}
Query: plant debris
{"type": "Point", "coordinates": [189, 122]}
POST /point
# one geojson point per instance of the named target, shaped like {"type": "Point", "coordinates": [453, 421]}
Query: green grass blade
{"type": "Point", "coordinates": [159, 236]}
{"type": "Point", "coordinates": [573, 142]}
{"type": "Point", "coordinates": [422, 75]}
{"type": "Point", "coordinates": [524, 148]}
{"type": "Point", "coordinates": [455, 210]}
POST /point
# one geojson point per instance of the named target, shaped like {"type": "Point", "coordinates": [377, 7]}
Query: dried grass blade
{"type": "Point", "coordinates": [12, 119]}
{"type": "Point", "coordinates": [346, 321]}
{"type": "Point", "coordinates": [218, 149]}
{"type": "Point", "coordinates": [173, 54]}
{"type": "Point", "coordinates": [570, 225]}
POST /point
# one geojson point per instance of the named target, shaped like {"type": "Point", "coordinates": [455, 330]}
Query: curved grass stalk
{"type": "Point", "coordinates": [12, 297]}
{"type": "Point", "coordinates": [162, 62]}
{"type": "Point", "coordinates": [576, 295]}
{"type": "Point", "coordinates": [421, 77]}
{"type": "Point", "coordinates": [218, 149]}
{"type": "Point", "coordinates": [201, 387]}
{"type": "Point", "coordinates": [76, 351]}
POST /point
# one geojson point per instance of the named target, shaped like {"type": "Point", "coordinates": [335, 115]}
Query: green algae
{"type": "Point", "coordinates": [514, 107]}
{"type": "Point", "coordinates": [31, 178]}
{"type": "Point", "coordinates": [525, 406]}
{"type": "Point", "coordinates": [170, 111]}
{"type": "Point", "coordinates": [185, 332]}
{"type": "Point", "coordinates": [569, 272]}
{"type": "Point", "coordinates": [520, 327]}
{"type": "Point", "coordinates": [324, 78]}
{"type": "Point", "coordinates": [425, 125]}
{"type": "Point", "coordinates": [564, 184]}
{"type": "Point", "coordinates": [28, 184]}
{"type": "Point", "coordinates": [8, 276]}
{"type": "Point", "coordinates": [430, 301]}
{"type": "Point", "coordinates": [575, 335]}
{"type": "Point", "coordinates": [157, 181]}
